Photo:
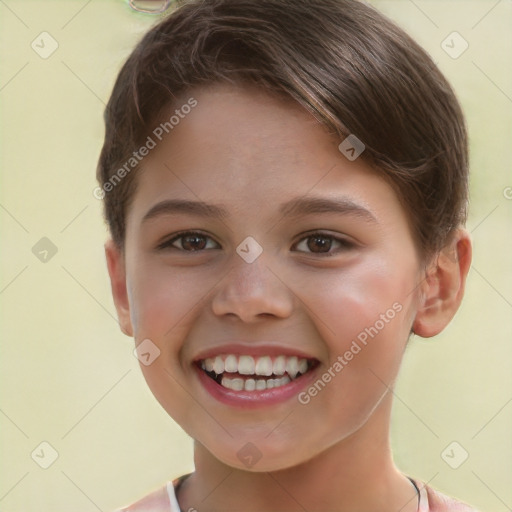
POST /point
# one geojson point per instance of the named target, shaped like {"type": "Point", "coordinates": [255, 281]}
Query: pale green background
{"type": "Point", "coordinates": [68, 375]}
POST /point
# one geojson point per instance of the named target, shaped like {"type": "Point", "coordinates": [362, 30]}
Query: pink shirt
{"type": "Point", "coordinates": [429, 500]}
{"type": "Point", "coordinates": [434, 501]}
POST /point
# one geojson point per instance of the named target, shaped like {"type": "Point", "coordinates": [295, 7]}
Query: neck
{"type": "Point", "coordinates": [355, 474]}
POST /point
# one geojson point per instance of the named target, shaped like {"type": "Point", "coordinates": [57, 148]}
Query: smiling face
{"type": "Point", "coordinates": [337, 260]}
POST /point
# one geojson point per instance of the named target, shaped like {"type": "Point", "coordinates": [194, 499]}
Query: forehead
{"type": "Point", "coordinates": [251, 151]}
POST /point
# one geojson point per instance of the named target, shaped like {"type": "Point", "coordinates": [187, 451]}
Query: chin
{"type": "Point", "coordinates": [259, 457]}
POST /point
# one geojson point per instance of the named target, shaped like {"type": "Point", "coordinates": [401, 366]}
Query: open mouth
{"type": "Point", "coordinates": [250, 373]}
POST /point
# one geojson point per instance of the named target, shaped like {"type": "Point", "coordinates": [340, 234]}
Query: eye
{"type": "Point", "coordinates": [189, 241]}
{"type": "Point", "coordinates": [321, 243]}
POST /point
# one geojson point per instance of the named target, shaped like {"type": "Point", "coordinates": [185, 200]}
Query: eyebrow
{"type": "Point", "coordinates": [309, 205]}
{"type": "Point", "coordinates": [173, 206]}
{"type": "Point", "coordinates": [297, 207]}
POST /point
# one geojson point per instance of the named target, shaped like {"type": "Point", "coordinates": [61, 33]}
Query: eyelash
{"type": "Point", "coordinates": [345, 244]}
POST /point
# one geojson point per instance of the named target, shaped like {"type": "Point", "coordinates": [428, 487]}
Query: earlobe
{"type": "Point", "coordinates": [117, 272]}
{"type": "Point", "coordinates": [443, 286]}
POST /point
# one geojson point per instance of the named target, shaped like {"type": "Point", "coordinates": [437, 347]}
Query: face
{"type": "Point", "coordinates": [278, 312]}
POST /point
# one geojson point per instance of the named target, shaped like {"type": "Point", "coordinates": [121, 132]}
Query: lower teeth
{"type": "Point", "coordinates": [238, 384]}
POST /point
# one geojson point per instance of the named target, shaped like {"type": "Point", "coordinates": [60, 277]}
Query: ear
{"type": "Point", "coordinates": [443, 287]}
{"type": "Point", "coordinates": [117, 273]}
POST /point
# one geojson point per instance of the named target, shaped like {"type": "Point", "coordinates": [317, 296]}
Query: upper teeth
{"type": "Point", "coordinates": [249, 365]}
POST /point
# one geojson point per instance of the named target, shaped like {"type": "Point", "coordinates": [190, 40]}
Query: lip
{"type": "Point", "coordinates": [254, 399]}
{"type": "Point", "coordinates": [251, 349]}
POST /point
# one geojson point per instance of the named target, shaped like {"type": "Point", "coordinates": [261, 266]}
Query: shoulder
{"type": "Point", "coordinates": [156, 501]}
{"type": "Point", "coordinates": [439, 502]}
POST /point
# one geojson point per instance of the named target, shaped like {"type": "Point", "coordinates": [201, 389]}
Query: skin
{"type": "Point", "coordinates": [252, 152]}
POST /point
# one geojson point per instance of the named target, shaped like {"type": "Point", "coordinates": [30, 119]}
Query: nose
{"type": "Point", "coordinates": [251, 292]}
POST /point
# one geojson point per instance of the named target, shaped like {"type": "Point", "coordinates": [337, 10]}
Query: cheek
{"type": "Point", "coordinates": [360, 303]}
{"type": "Point", "coordinates": [164, 300]}
{"type": "Point", "coordinates": [165, 303]}
{"type": "Point", "coordinates": [363, 318]}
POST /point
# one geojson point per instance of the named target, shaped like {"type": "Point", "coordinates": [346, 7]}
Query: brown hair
{"type": "Point", "coordinates": [345, 62]}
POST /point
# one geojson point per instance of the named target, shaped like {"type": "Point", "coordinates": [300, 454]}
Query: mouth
{"type": "Point", "coordinates": [249, 373]}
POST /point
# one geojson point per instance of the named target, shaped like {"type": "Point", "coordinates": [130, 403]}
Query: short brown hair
{"type": "Point", "coordinates": [345, 62]}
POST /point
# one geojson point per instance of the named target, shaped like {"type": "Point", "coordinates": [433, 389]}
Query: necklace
{"type": "Point", "coordinates": [184, 477]}
{"type": "Point", "coordinates": [417, 490]}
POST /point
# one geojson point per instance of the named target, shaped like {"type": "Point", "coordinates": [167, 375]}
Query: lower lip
{"type": "Point", "coordinates": [250, 399]}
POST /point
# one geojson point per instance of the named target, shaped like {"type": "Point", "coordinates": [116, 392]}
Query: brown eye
{"type": "Point", "coordinates": [191, 241]}
{"type": "Point", "coordinates": [320, 243]}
